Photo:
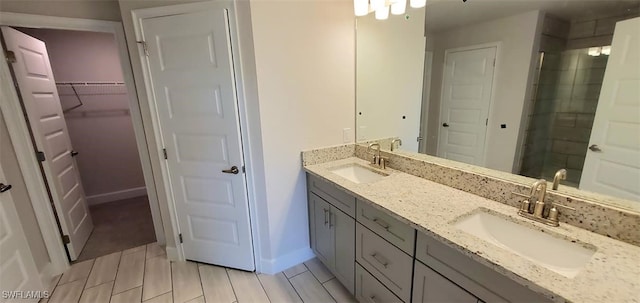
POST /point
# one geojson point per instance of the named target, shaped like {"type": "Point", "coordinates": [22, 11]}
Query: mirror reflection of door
{"type": "Point", "coordinates": [612, 163]}
{"type": "Point", "coordinates": [466, 97]}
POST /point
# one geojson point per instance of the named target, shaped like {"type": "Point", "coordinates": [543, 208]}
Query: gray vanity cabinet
{"type": "Point", "coordinates": [431, 287]}
{"type": "Point", "coordinates": [465, 273]}
{"type": "Point", "coordinates": [332, 235]}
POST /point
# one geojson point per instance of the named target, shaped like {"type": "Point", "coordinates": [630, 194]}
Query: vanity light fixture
{"type": "Point", "coordinates": [383, 7]}
{"type": "Point", "coordinates": [602, 50]}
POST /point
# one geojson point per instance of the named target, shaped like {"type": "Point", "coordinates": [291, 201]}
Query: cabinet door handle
{"type": "Point", "coordinates": [383, 224]}
{"type": "Point", "coordinates": [386, 227]}
{"type": "Point", "coordinates": [380, 260]}
{"type": "Point", "coordinates": [325, 216]}
{"type": "Point", "coordinates": [331, 219]}
{"type": "Point", "coordinates": [372, 299]}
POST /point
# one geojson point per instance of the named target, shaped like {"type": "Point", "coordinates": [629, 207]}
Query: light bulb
{"type": "Point", "coordinates": [417, 3]}
{"type": "Point", "coordinates": [399, 7]}
{"type": "Point", "coordinates": [361, 7]}
{"type": "Point", "coordinates": [595, 51]}
{"type": "Point", "coordinates": [606, 50]}
{"type": "Point", "coordinates": [382, 13]}
{"type": "Point", "coordinates": [376, 4]}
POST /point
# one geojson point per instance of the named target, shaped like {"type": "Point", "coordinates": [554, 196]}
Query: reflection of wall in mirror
{"type": "Point", "coordinates": [390, 61]}
{"type": "Point", "coordinates": [518, 39]}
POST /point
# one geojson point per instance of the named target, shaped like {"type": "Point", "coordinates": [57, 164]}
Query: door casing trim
{"type": "Point", "coordinates": [20, 136]}
{"type": "Point", "coordinates": [245, 119]}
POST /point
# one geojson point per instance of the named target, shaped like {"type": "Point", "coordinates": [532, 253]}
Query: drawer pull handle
{"type": "Point", "coordinates": [326, 220]}
{"type": "Point", "coordinates": [386, 227]}
{"type": "Point", "coordinates": [372, 299]}
{"type": "Point", "coordinates": [380, 260]}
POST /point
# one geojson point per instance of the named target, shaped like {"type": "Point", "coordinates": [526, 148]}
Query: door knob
{"type": "Point", "coordinates": [234, 170]}
{"type": "Point", "coordinates": [4, 187]}
{"type": "Point", "coordinates": [74, 153]}
{"type": "Point", "coordinates": [445, 124]}
{"type": "Point", "coordinates": [595, 148]}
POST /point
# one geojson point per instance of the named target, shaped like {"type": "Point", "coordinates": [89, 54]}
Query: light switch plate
{"type": "Point", "coordinates": [347, 135]}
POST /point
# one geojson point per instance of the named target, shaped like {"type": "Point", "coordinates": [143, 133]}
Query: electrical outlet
{"type": "Point", "coordinates": [347, 135]}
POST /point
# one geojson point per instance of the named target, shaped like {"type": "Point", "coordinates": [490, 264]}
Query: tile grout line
{"type": "Point", "coordinates": [294, 288]}
{"type": "Point", "coordinates": [231, 283]}
{"type": "Point", "coordinates": [200, 279]}
{"type": "Point", "coordinates": [93, 263]}
{"type": "Point", "coordinates": [144, 268]}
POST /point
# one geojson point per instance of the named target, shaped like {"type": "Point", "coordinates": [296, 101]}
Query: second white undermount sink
{"type": "Point", "coordinates": [357, 173]}
{"type": "Point", "coordinates": [562, 256]}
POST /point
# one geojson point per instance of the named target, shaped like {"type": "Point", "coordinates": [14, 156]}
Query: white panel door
{"type": "Point", "coordinates": [42, 104]}
{"type": "Point", "coordinates": [17, 269]}
{"type": "Point", "coordinates": [189, 59]}
{"type": "Point", "coordinates": [464, 107]}
{"type": "Point", "coordinates": [612, 165]}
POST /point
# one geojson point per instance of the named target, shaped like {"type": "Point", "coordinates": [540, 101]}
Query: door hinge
{"type": "Point", "coordinates": [164, 152]}
{"type": "Point", "coordinates": [243, 169]}
{"type": "Point", "coordinates": [494, 62]}
{"type": "Point", "coordinates": [486, 122]}
{"type": "Point", "coordinates": [40, 156]}
{"type": "Point", "coordinates": [66, 239]}
{"type": "Point", "coordinates": [145, 47]}
{"type": "Point", "coordinates": [180, 237]}
{"type": "Point", "coordinates": [11, 56]}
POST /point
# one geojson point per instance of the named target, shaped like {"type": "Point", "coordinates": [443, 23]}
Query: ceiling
{"type": "Point", "coordinates": [447, 14]}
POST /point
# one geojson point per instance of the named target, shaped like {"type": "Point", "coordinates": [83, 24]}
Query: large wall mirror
{"type": "Point", "coordinates": [528, 87]}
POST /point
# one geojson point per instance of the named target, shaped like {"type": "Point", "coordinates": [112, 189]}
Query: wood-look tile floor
{"type": "Point", "coordinates": [143, 274]}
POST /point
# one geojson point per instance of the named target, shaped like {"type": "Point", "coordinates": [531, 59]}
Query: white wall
{"type": "Point", "coordinates": [101, 130]}
{"type": "Point", "coordinates": [305, 66]}
{"type": "Point", "coordinates": [514, 66]}
{"type": "Point", "coordinates": [390, 65]}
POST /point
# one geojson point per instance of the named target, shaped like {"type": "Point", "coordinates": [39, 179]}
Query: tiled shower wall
{"type": "Point", "coordinates": [567, 91]}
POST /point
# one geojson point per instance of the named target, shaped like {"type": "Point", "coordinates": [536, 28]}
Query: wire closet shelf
{"type": "Point", "coordinates": [78, 89]}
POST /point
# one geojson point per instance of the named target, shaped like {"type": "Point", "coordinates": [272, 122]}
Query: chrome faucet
{"type": "Point", "coordinates": [377, 160]}
{"type": "Point", "coordinates": [560, 175]}
{"type": "Point", "coordinates": [376, 156]}
{"type": "Point", "coordinates": [393, 143]}
{"type": "Point", "coordinates": [537, 194]}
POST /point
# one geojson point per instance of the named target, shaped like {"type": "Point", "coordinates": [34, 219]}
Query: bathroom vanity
{"type": "Point", "coordinates": [390, 236]}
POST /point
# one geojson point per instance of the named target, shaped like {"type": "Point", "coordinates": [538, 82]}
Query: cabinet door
{"type": "Point", "coordinates": [344, 228]}
{"type": "Point", "coordinates": [324, 240]}
{"type": "Point", "coordinates": [431, 287]}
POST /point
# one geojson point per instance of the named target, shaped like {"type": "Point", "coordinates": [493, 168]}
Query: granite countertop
{"type": "Point", "coordinates": [612, 274]}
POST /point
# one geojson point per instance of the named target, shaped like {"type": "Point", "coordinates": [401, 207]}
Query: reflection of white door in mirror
{"type": "Point", "coordinates": [466, 97]}
{"type": "Point", "coordinates": [612, 165]}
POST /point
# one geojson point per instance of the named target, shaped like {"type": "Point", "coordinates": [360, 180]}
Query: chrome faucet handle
{"type": "Point", "coordinates": [371, 147]}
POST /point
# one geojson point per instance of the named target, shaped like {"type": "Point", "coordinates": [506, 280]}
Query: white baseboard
{"type": "Point", "coordinates": [117, 195]}
{"type": "Point", "coordinates": [274, 266]}
{"type": "Point", "coordinates": [172, 253]}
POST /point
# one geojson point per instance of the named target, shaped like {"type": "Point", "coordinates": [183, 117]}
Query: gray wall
{"type": "Point", "coordinates": [86, 9]}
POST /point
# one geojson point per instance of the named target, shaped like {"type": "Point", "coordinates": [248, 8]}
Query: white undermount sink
{"type": "Point", "coordinates": [357, 173]}
{"type": "Point", "coordinates": [557, 254]}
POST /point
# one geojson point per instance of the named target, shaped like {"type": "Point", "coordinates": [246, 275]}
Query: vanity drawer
{"type": "Point", "coordinates": [368, 289]}
{"type": "Point", "coordinates": [384, 261]}
{"type": "Point", "coordinates": [330, 193]}
{"type": "Point", "coordinates": [478, 279]}
{"type": "Point", "coordinates": [392, 230]}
